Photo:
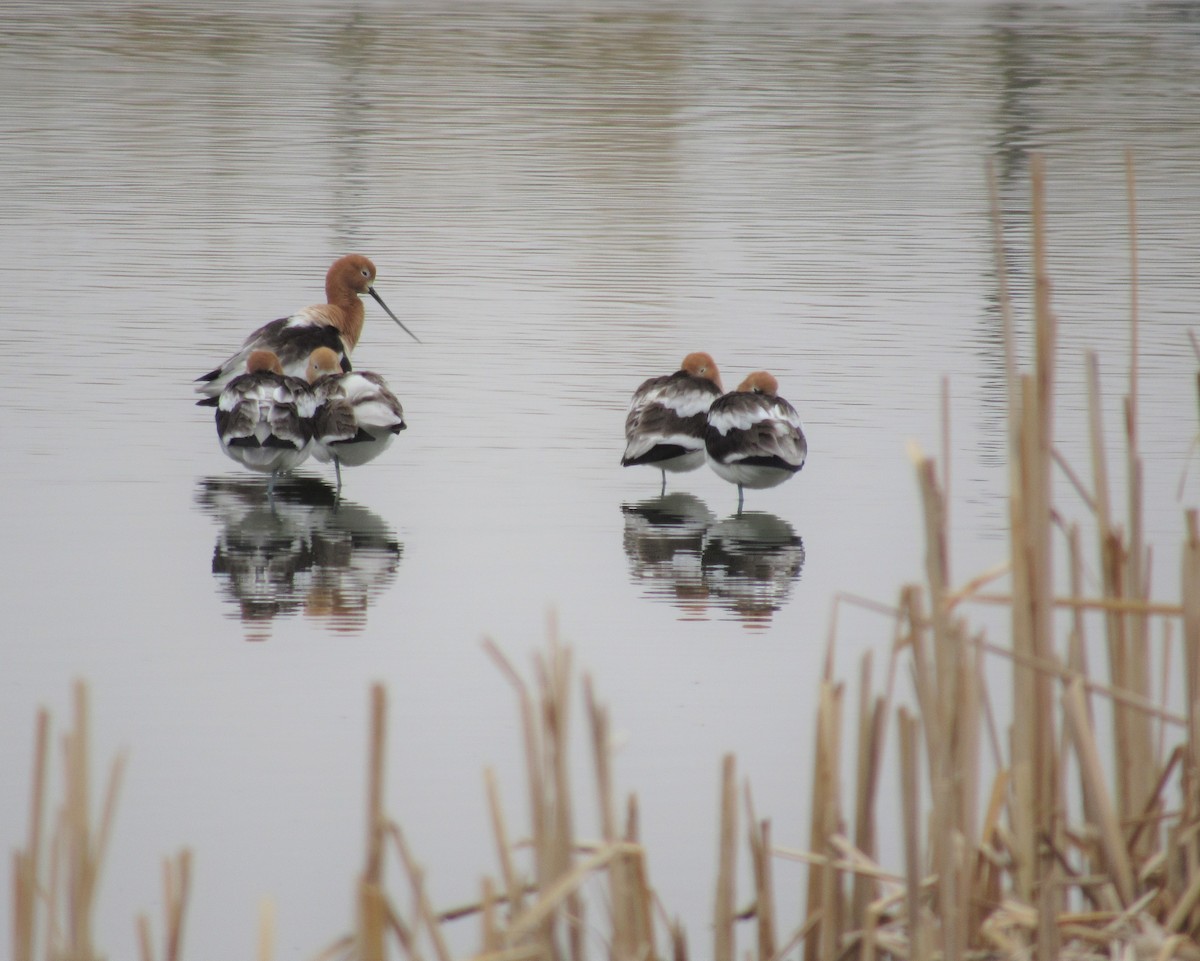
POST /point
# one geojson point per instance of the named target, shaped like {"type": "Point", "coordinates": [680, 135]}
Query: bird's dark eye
{"type": "Point", "coordinates": [366, 273]}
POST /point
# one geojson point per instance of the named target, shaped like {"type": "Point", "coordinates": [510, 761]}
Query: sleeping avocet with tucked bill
{"type": "Point", "coordinates": [667, 417]}
{"type": "Point", "coordinates": [755, 438]}
{"type": "Point", "coordinates": [356, 416]}
{"type": "Point", "coordinates": [264, 417]}
{"type": "Point", "coordinates": [337, 325]}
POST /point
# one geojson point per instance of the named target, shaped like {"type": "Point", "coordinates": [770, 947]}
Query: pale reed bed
{"type": "Point", "coordinates": [1049, 839]}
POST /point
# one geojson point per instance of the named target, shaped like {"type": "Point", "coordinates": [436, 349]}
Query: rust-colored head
{"type": "Point", "coordinates": [700, 364]}
{"type": "Point", "coordinates": [260, 360]}
{"type": "Point", "coordinates": [322, 361]}
{"type": "Point", "coordinates": [760, 382]}
{"type": "Point", "coordinates": [348, 277]}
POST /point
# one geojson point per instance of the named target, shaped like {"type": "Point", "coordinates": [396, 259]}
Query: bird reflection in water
{"type": "Point", "coordinates": [305, 553]}
{"type": "Point", "coordinates": [745, 564]}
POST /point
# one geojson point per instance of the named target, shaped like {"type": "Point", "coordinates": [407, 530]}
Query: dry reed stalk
{"type": "Point", "coordinates": [490, 940]}
{"type": "Point", "coordinates": [266, 930]}
{"type": "Point", "coordinates": [847, 859]}
{"type": "Point", "coordinates": [424, 908]}
{"type": "Point", "coordinates": [1112, 841]}
{"type": "Point", "coordinates": [626, 929]}
{"type": "Point", "coordinates": [1037, 502]}
{"type": "Point", "coordinates": [533, 748]}
{"type": "Point", "coordinates": [1138, 575]}
{"type": "Point", "coordinates": [949, 690]}
{"type": "Point", "coordinates": [84, 847]}
{"type": "Point", "coordinates": [824, 898]}
{"type": "Point", "coordinates": [632, 917]}
{"type": "Point", "coordinates": [872, 723]}
{"type": "Point", "coordinates": [177, 879]}
{"type": "Point", "coordinates": [679, 950]}
{"type": "Point", "coordinates": [512, 883]}
{"type": "Point", "coordinates": [558, 903]}
{"type": "Point", "coordinates": [724, 907]}
{"type": "Point", "coordinates": [27, 863]}
{"type": "Point", "coordinates": [1124, 636]}
{"type": "Point", "coordinates": [145, 940]}
{"type": "Point", "coordinates": [910, 807]}
{"type": "Point", "coordinates": [640, 898]}
{"type": "Point", "coordinates": [759, 840]}
{"type": "Point", "coordinates": [370, 941]}
{"type": "Point", "coordinates": [1008, 339]}
{"type": "Point", "coordinates": [554, 675]}
{"type": "Point", "coordinates": [1108, 605]}
{"type": "Point", "coordinates": [1190, 578]}
{"type": "Point", "coordinates": [552, 898]}
{"type": "Point", "coordinates": [1185, 860]}
{"type": "Point", "coordinates": [370, 938]}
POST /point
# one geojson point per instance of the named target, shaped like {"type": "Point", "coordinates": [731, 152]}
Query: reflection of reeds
{"type": "Point", "coordinates": [1054, 840]}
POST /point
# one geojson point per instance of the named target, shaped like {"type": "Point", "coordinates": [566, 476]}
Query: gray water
{"type": "Point", "coordinates": [562, 200]}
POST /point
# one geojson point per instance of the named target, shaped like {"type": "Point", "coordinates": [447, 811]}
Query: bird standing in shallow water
{"type": "Point", "coordinates": [755, 438]}
{"type": "Point", "coordinates": [336, 324]}
{"type": "Point", "coordinates": [356, 416]}
{"type": "Point", "coordinates": [667, 417]}
{"type": "Point", "coordinates": [263, 417]}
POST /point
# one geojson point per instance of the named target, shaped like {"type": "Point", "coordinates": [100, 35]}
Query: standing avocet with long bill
{"type": "Point", "coordinates": [755, 438]}
{"type": "Point", "coordinates": [356, 416]}
{"type": "Point", "coordinates": [337, 325]}
{"type": "Point", "coordinates": [668, 416]}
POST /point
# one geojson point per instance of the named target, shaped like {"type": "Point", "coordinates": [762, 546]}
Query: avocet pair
{"type": "Point", "coordinates": [750, 437]}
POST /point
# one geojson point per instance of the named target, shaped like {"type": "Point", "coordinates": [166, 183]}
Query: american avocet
{"type": "Point", "coordinates": [356, 415]}
{"type": "Point", "coordinates": [755, 438]}
{"type": "Point", "coordinates": [337, 324]}
{"type": "Point", "coordinates": [666, 421]}
{"type": "Point", "coordinates": [264, 417]}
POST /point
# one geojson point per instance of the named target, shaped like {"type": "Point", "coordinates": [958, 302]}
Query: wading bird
{"type": "Point", "coordinates": [667, 417]}
{"type": "Point", "coordinates": [264, 417]}
{"type": "Point", "coordinates": [337, 325]}
{"type": "Point", "coordinates": [356, 416]}
{"type": "Point", "coordinates": [755, 438]}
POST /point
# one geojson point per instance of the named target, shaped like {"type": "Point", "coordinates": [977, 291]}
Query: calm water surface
{"type": "Point", "coordinates": [562, 200]}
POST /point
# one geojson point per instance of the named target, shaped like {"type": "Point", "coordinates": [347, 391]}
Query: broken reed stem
{"type": "Point", "coordinates": [512, 883]}
{"type": "Point", "coordinates": [824, 882]}
{"type": "Point", "coordinates": [1137, 579]}
{"type": "Point", "coordinates": [1056, 670]}
{"type": "Point", "coordinates": [373, 871]}
{"type": "Point", "coordinates": [872, 722]}
{"type": "Point", "coordinates": [266, 930]}
{"type": "Point", "coordinates": [372, 908]}
{"type": "Point", "coordinates": [553, 897]}
{"type": "Point", "coordinates": [1190, 638]}
{"type": "Point", "coordinates": [1131, 196]}
{"type": "Point", "coordinates": [910, 811]}
{"type": "Point", "coordinates": [1113, 605]}
{"type": "Point", "coordinates": [554, 673]}
{"type": "Point", "coordinates": [85, 848]}
{"type": "Point", "coordinates": [533, 752]}
{"type": "Point", "coordinates": [759, 839]}
{"type": "Point", "coordinates": [1112, 841]}
{"type": "Point", "coordinates": [27, 864]}
{"type": "Point", "coordinates": [724, 907]}
{"type": "Point", "coordinates": [1006, 314]}
{"type": "Point", "coordinates": [416, 879]}
{"type": "Point", "coordinates": [177, 876]}
{"type": "Point", "coordinates": [1037, 501]}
